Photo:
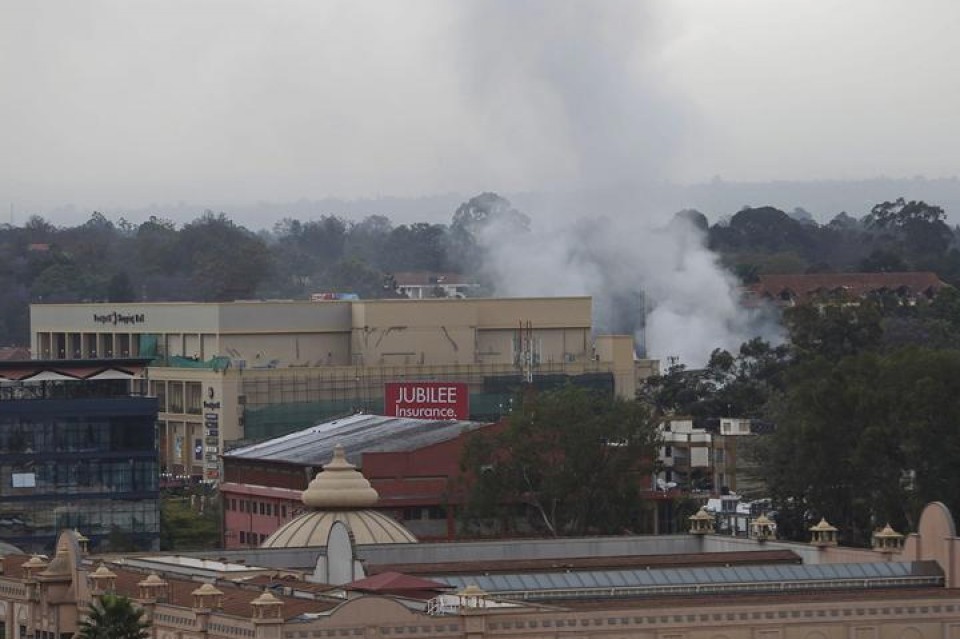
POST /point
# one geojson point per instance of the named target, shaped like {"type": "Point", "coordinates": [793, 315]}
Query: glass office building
{"type": "Point", "coordinates": [78, 450]}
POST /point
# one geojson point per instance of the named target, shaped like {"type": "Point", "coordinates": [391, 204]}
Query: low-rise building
{"type": "Point", "coordinates": [701, 456]}
{"type": "Point", "coordinates": [78, 450]}
{"type": "Point", "coordinates": [419, 285]}
{"type": "Point", "coordinates": [413, 464]}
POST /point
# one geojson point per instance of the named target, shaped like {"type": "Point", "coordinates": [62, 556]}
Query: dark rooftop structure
{"type": "Point", "coordinates": [552, 564]}
{"type": "Point", "coordinates": [708, 580]}
{"type": "Point", "coordinates": [71, 369]}
{"type": "Point", "coordinates": [358, 434]}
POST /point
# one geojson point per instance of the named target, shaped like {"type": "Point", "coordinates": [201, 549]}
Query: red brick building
{"type": "Point", "coordinates": [413, 464]}
{"type": "Point", "coordinates": [790, 290]}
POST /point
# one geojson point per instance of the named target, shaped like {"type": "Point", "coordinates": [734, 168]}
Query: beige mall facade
{"type": "Point", "coordinates": [193, 597]}
{"type": "Point", "coordinates": [249, 370]}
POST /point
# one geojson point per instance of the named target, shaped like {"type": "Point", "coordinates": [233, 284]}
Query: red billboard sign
{"type": "Point", "coordinates": [427, 400]}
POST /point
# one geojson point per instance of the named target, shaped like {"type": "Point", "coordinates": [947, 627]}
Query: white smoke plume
{"type": "Point", "coordinates": [691, 302]}
{"type": "Point", "coordinates": [579, 84]}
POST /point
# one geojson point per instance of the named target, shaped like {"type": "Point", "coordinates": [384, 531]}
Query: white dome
{"type": "Point", "coordinates": [313, 529]}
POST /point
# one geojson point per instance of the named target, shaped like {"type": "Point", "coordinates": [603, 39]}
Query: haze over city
{"type": "Point", "coordinates": [135, 108]}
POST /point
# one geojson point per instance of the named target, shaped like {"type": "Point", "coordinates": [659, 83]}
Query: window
{"type": "Point", "coordinates": [194, 397]}
{"type": "Point", "coordinates": [159, 389]}
{"type": "Point", "coordinates": [175, 397]}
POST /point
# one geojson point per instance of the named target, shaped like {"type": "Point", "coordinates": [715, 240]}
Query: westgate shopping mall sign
{"type": "Point", "coordinates": [427, 400]}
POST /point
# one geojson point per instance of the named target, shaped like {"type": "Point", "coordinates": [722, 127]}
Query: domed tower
{"type": "Point", "coordinates": [339, 493]}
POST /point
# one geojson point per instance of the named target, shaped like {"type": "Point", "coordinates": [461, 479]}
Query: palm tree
{"type": "Point", "coordinates": [114, 617]}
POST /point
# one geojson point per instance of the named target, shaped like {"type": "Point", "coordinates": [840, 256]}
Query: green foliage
{"type": "Point", "coordinates": [356, 276]}
{"type": "Point", "coordinates": [833, 330]}
{"type": "Point", "coordinates": [572, 459]}
{"type": "Point", "coordinates": [225, 262]}
{"type": "Point", "coordinates": [728, 386]}
{"type": "Point", "coordinates": [900, 213]}
{"type": "Point", "coordinates": [189, 521]}
{"type": "Point", "coordinates": [864, 440]}
{"type": "Point", "coordinates": [113, 617]}
{"type": "Point", "coordinates": [120, 289]}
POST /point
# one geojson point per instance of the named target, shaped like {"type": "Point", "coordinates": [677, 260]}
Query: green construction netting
{"type": "Point", "coordinates": [148, 345]}
{"type": "Point", "coordinates": [273, 420]}
{"type": "Point", "coordinates": [216, 363]}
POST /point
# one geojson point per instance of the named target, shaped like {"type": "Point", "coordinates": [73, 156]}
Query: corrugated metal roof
{"type": "Point", "coordinates": [741, 578]}
{"type": "Point", "coordinates": [358, 434]}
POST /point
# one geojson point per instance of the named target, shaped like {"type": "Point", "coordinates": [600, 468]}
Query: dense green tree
{"type": "Point", "coordinates": [356, 276]}
{"type": "Point", "coordinates": [573, 457]}
{"type": "Point", "coordinates": [305, 249]}
{"type": "Point", "coordinates": [114, 617]}
{"type": "Point", "coordinates": [730, 385]}
{"type": "Point", "coordinates": [484, 213]}
{"type": "Point", "coordinates": [367, 240]}
{"type": "Point", "coordinates": [764, 228]}
{"type": "Point", "coordinates": [225, 261]}
{"type": "Point", "coordinates": [864, 440]}
{"type": "Point", "coordinates": [189, 522]}
{"type": "Point", "coordinates": [833, 330]}
{"type": "Point", "coordinates": [883, 260]}
{"type": "Point", "coordinates": [62, 281]}
{"type": "Point", "coordinates": [916, 230]}
{"type": "Point", "coordinates": [899, 213]}
{"type": "Point", "coordinates": [418, 247]}
{"type": "Point", "coordinates": [120, 288]}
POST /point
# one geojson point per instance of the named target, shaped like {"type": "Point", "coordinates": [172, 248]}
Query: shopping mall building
{"type": "Point", "coordinates": [244, 371]}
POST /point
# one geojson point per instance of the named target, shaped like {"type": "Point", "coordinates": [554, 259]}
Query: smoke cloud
{"type": "Point", "coordinates": [591, 98]}
{"type": "Point", "coordinates": [691, 303]}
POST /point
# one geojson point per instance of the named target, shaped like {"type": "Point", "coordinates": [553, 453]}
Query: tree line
{"type": "Point", "coordinates": [893, 236]}
{"type": "Point", "coordinates": [214, 259]}
{"type": "Point", "coordinates": [863, 398]}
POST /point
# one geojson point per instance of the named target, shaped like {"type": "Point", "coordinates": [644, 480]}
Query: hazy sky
{"type": "Point", "coordinates": [124, 103]}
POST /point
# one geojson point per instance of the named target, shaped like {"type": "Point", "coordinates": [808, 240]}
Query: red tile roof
{"type": "Point", "coordinates": [854, 285]}
{"type": "Point", "coordinates": [395, 581]}
{"type": "Point", "coordinates": [236, 598]}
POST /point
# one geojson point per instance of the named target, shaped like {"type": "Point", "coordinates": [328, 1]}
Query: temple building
{"type": "Point", "coordinates": [697, 585]}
